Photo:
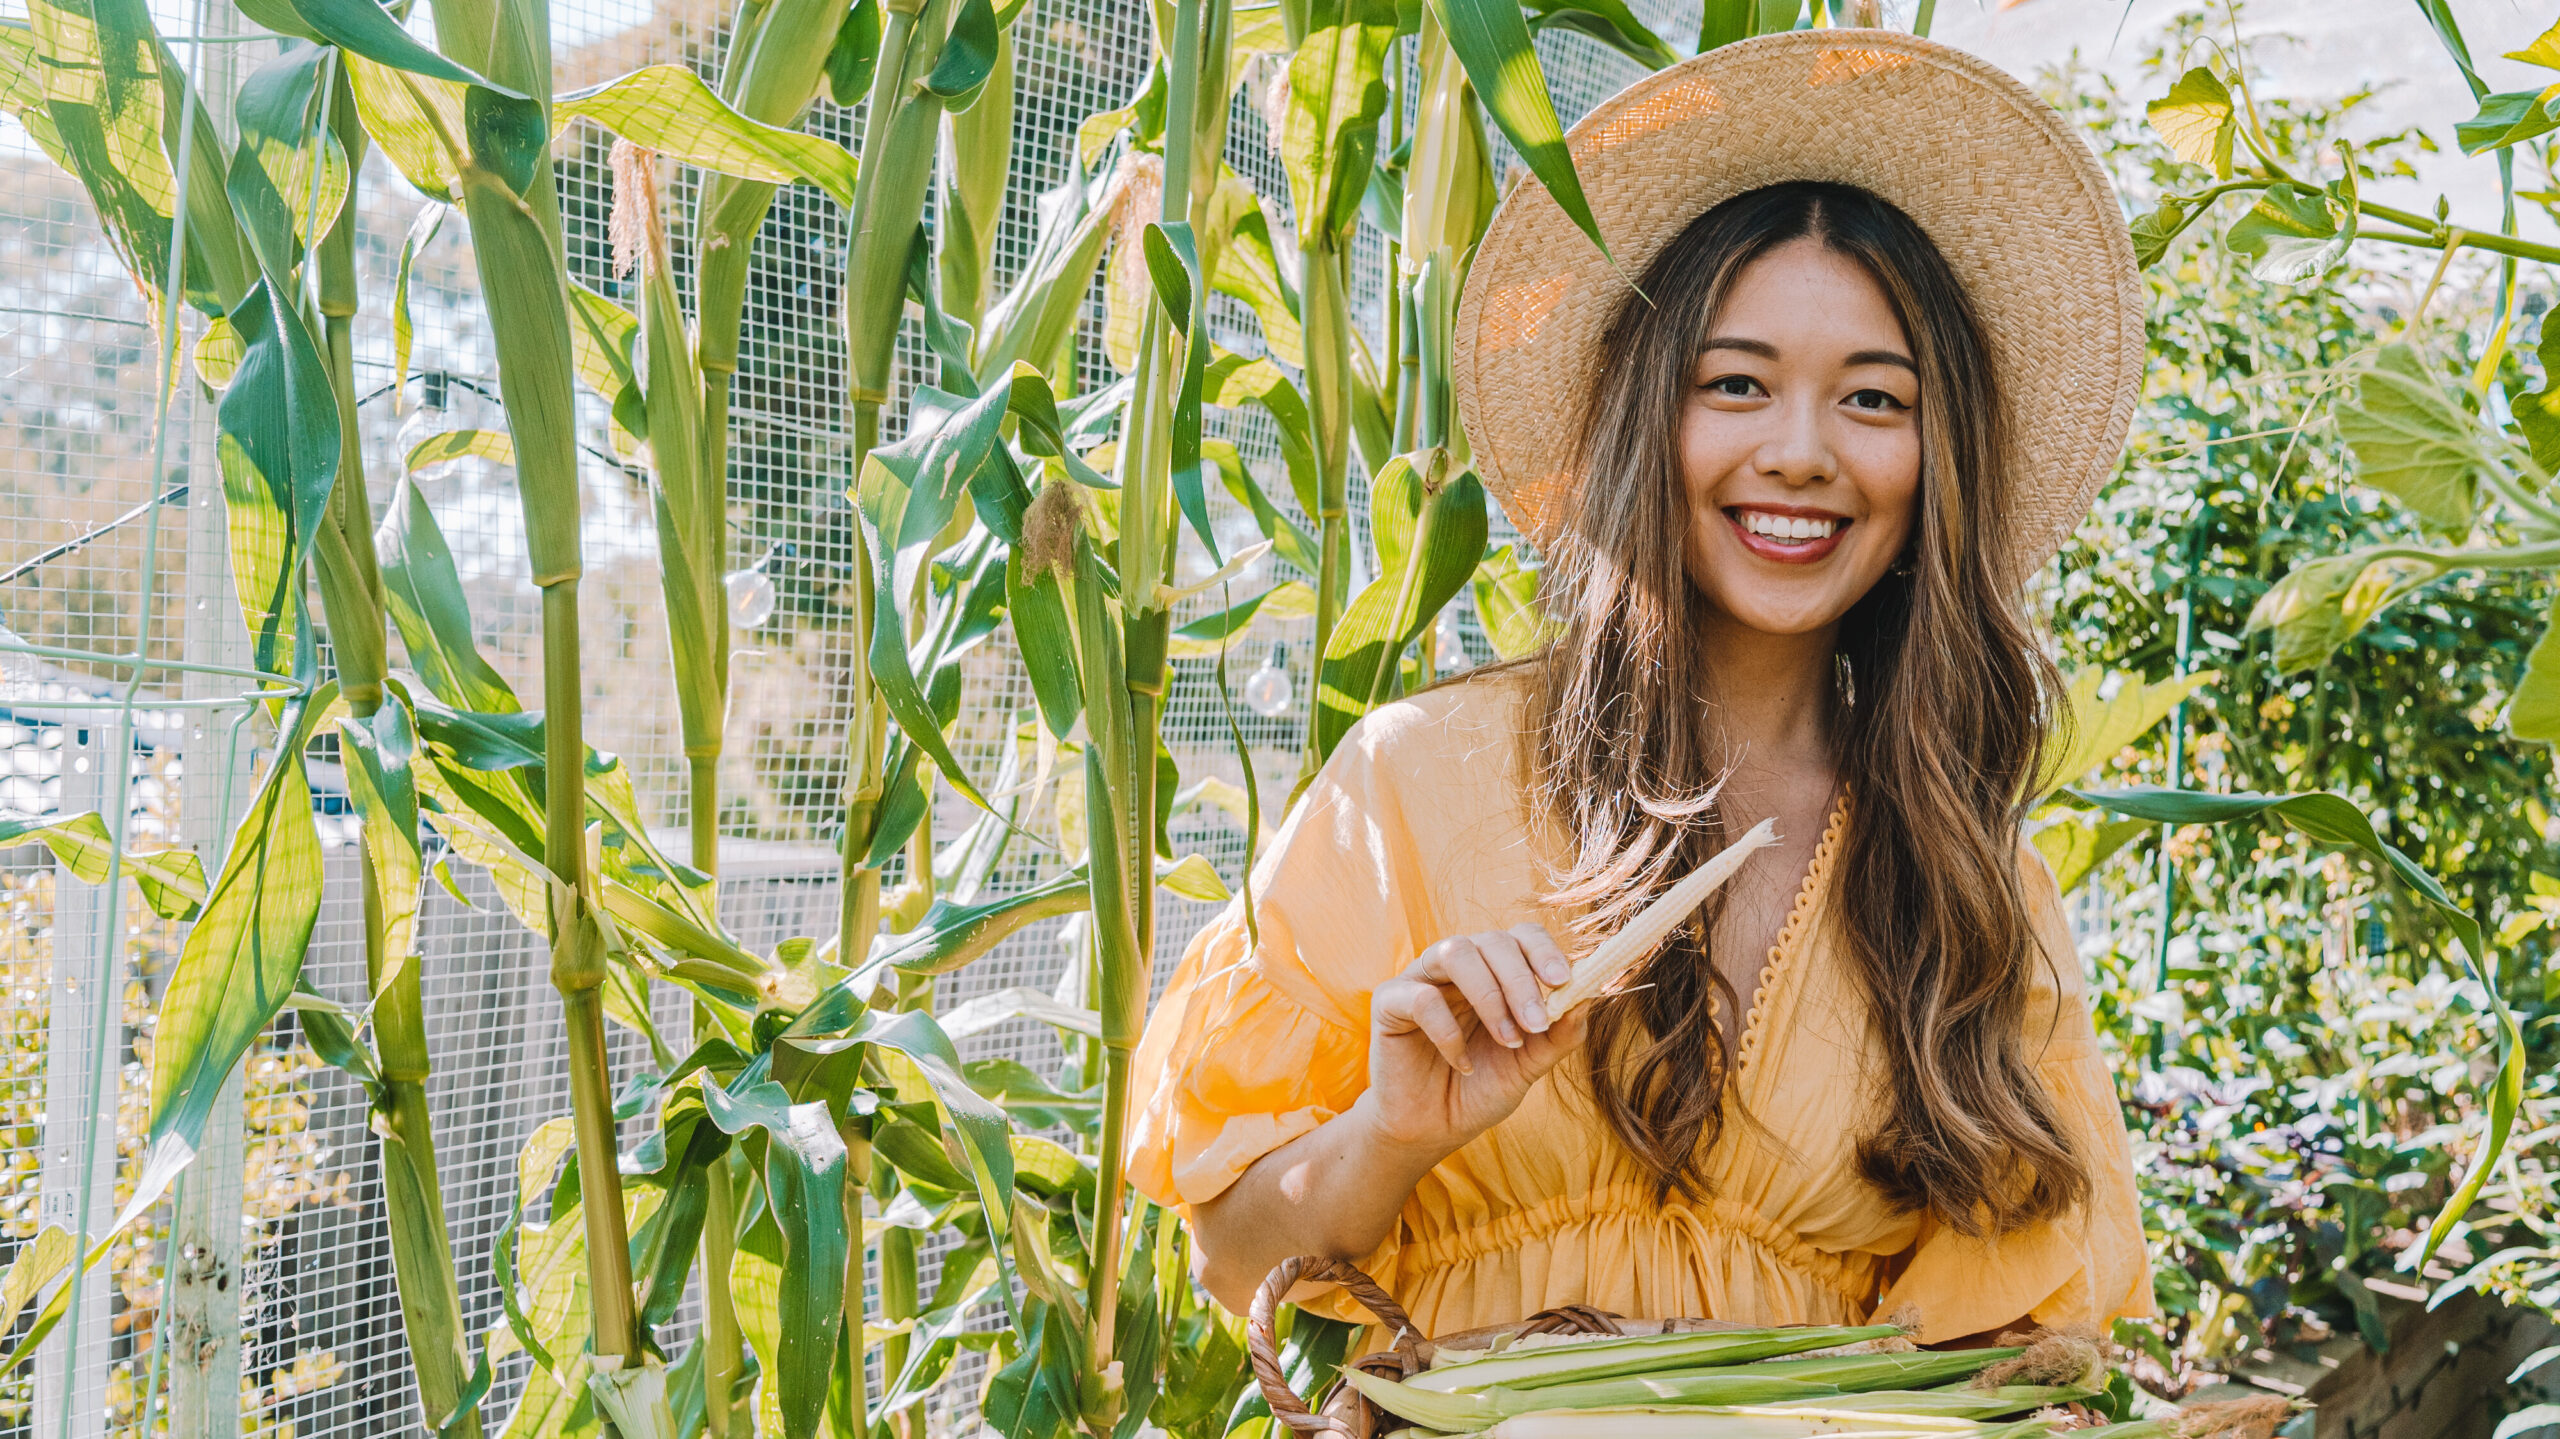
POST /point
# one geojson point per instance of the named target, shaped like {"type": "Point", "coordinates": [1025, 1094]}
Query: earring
{"type": "Point", "coordinates": [1902, 566]}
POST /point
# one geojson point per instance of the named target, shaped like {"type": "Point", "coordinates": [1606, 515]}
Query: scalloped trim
{"type": "Point", "coordinates": [1791, 935]}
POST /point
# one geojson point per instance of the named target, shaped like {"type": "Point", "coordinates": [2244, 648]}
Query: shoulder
{"type": "Point", "coordinates": [1471, 723]}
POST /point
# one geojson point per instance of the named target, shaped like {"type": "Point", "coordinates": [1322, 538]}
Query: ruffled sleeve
{"type": "Point", "coordinates": [1262, 1033]}
{"type": "Point", "coordinates": [2081, 1268]}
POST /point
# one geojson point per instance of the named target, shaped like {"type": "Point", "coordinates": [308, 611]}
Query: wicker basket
{"type": "Point", "coordinates": [1344, 1410]}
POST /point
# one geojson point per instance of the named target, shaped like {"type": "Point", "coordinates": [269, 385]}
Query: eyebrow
{"type": "Point", "coordinates": [1767, 351]}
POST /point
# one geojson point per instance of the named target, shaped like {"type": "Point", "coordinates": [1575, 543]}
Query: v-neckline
{"type": "Point", "coordinates": [1776, 967]}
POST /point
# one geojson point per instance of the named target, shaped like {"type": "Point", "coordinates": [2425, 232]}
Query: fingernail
{"type": "Point", "coordinates": [1556, 971]}
{"type": "Point", "coordinates": [1510, 1037]}
{"type": "Point", "coordinates": [1466, 1066]}
{"type": "Point", "coordinates": [1534, 1015]}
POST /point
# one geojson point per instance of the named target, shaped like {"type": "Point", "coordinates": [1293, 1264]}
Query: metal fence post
{"type": "Point", "coordinates": [71, 1389]}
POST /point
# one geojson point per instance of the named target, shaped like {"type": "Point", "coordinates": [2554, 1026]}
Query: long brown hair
{"type": "Point", "coordinates": [1943, 698]}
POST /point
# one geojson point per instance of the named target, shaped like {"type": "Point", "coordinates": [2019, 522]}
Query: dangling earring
{"type": "Point", "coordinates": [1902, 566]}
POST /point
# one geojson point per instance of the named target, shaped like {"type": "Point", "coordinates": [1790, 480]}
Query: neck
{"type": "Point", "coordinates": [1774, 697]}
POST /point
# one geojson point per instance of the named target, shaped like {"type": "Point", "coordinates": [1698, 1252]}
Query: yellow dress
{"type": "Point", "coordinates": [1413, 832]}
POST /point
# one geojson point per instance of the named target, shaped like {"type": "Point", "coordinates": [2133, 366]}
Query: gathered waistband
{"type": "Point", "coordinates": [1852, 1276]}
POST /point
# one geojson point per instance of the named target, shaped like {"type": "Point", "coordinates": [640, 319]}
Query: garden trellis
{"type": "Point", "coordinates": [282, 1296]}
{"type": "Point", "coordinates": [817, 555]}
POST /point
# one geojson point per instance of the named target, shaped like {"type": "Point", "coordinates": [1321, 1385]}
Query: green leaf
{"type": "Point", "coordinates": [2414, 441]}
{"type": "Point", "coordinates": [1492, 41]}
{"type": "Point", "coordinates": [283, 130]}
{"type": "Point", "coordinates": [365, 28]}
{"type": "Point", "coordinates": [1721, 22]}
{"type": "Point", "coordinates": [952, 936]}
{"type": "Point", "coordinates": [2154, 232]}
{"type": "Point", "coordinates": [378, 753]}
{"type": "Point", "coordinates": [445, 446]}
{"type": "Point", "coordinates": [1447, 518]}
{"type": "Point", "coordinates": [1337, 91]}
{"type": "Point", "coordinates": [2074, 848]}
{"type": "Point", "coordinates": [244, 955]}
{"type": "Point", "coordinates": [2334, 820]}
{"type": "Point", "coordinates": [171, 880]}
{"type": "Point", "coordinates": [1173, 266]}
{"type": "Point", "coordinates": [404, 331]}
{"type": "Point", "coordinates": [968, 55]}
{"type": "Point", "coordinates": [2510, 118]}
{"type": "Point", "coordinates": [987, 1011]}
{"type": "Point", "coordinates": [2534, 710]}
{"type": "Point", "coordinates": [1608, 21]}
{"type": "Point", "coordinates": [2196, 118]}
{"type": "Point", "coordinates": [2098, 728]}
{"type": "Point", "coordinates": [804, 1176]}
{"type": "Point", "coordinates": [424, 594]}
{"type": "Point", "coordinates": [2293, 235]}
{"type": "Point", "coordinates": [855, 54]}
{"type": "Point", "coordinates": [278, 449]}
{"type": "Point", "coordinates": [1211, 633]}
{"type": "Point", "coordinates": [667, 108]}
{"type": "Point", "coordinates": [1507, 605]}
{"type": "Point", "coordinates": [1233, 382]}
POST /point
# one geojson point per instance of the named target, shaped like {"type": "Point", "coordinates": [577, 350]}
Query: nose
{"type": "Point", "coordinates": [1796, 449]}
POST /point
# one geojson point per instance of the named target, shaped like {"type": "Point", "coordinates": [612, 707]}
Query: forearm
{"type": "Point", "coordinates": [1334, 1191]}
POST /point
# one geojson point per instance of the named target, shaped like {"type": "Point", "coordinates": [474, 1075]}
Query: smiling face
{"type": "Point", "coordinates": [1799, 445]}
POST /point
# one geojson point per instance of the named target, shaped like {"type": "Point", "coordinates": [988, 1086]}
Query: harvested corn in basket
{"type": "Point", "coordinates": [1580, 1374]}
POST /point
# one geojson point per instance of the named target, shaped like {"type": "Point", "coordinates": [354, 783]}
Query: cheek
{"type": "Point", "coordinates": [1888, 471]}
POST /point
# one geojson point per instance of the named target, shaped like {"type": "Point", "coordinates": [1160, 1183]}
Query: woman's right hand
{"type": "Point", "coordinates": [1457, 1039]}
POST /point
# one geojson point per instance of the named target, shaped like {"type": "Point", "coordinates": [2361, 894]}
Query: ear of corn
{"type": "Point", "coordinates": [1523, 1368]}
{"type": "Point", "coordinates": [1629, 947]}
{"type": "Point", "coordinates": [1741, 1423]}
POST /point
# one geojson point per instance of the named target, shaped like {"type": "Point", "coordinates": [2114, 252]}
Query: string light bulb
{"type": "Point", "coordinates": [432, 416]}
{"type": "Point", "coordinates": [1267, 691]}
{"type": "Point", "coordinates": [750, 596]}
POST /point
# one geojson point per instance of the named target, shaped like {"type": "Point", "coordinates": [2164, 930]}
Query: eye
{"type": "Point", "coordinates": [1880, 401]}
{"type": "Point", "coordinates": [1741, 387]}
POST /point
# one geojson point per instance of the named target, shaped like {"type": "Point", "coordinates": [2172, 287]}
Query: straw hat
{"type": "Point", "coordinates": [2013, 198]}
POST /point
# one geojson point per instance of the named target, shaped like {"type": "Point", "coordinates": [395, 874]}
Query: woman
{"type": "Point", "coordinates": [1885, 346]}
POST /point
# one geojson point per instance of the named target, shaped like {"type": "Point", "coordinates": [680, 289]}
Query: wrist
{"type": "Point", "coordinates": [1393, 1148]}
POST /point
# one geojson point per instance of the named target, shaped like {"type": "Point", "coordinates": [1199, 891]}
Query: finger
{"type": "Point", "coordinates": [1544, 1052]}
{"type": "Point", "coordinates": [1472, 974]}
{"type": "Point", "coordinates": [1430, 1009]}
{"type": "Point", "coordinates": [1432, 965]}
{"type": "Point", "coordinates": [1509, 961]}
{"type": "Point", "coordinates": [1545, 955]}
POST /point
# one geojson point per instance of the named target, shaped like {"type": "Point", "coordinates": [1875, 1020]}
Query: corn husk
{"type": "Point", "coordinates": [1612, 958]}
{"type": "Point", "coordinates": [1961, 1403]}
{"type": "Point", "coordinates": [1477, 1409]}
{"type": "Point", "coordinates": [1744, 1423]}
{"type": "Point", "coordinates": [1523, 1366]}
{"type": "Point", "coordinates": [1914, 1370]}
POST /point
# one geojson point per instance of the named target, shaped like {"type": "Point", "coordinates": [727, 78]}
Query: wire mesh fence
{"type": "Point", "coordinates": [259, 1300]}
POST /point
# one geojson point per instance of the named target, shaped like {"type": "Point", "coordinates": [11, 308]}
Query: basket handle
{"type": "Point", "coordinates": [1263, 1348]}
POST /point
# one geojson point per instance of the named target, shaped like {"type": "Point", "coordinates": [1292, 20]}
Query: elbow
{"type": "Point", "coordinates": [1216, 1264]}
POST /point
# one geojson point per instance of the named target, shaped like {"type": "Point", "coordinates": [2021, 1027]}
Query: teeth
{"type": "Point", "coordinates": [1788, 527]}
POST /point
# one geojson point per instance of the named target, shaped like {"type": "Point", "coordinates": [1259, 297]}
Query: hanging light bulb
{"type": "Point", "coordinates": [1266, 690]}
{"type": "Point", "coordinates": [750, 596]}
{"type": "Point", "coordinates": [432, 416]}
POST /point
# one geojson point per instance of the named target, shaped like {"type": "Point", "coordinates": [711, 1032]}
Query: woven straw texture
{"type": "Point", "coordinates": [2014, 199]}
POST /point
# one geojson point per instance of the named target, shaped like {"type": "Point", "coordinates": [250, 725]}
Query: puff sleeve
{"type": "Point", "coordinates": [1262, 1033]}
{"type": "Point", "coordinates": [2082, 1268]}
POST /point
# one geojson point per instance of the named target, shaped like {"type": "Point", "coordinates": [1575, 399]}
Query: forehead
{"type": "Point", "coordinates": [1806, 292]}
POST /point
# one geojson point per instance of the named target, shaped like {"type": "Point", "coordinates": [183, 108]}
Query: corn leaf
{"type": "Point", "coordinates": [171, 880]}
{"type": "Point", "coordinates": [364, 28]}
{"type": "Point", "coordinates": [968, 55]}
{"type": "Point", "coordinates": [424, 595]}
{"type": "Point", "coordinates": [1609, 22]}
{"type": "Point", "coordinates": [378, 753]}
{"type": "Point", "coordinates": [98, 66]}
{"type": "Point", "coordinates": [1249, 269]}
{"type": "Point", "coordinates": [952, 936]}
{"type": "Point", "coordinates": [278, 451]}
{"type": "Point", "coordinates": [804, 1177]}
{"type": "Point", "coordinates": [281, 128]}
{"type": "Point", "coordinates": [1289, 540]}
{"type": "Point", "coordinates": [1173, 266]}
{"type": "Point", "coordinates": [416, 121]}
{"type": "Point", "coordinates": [1233, 382]}
{"type": "Point", "coordinates": [244, 955]}
{"type": "Point", "coordinates": [1506, 592]}
{"type": "Point", "coordinates": [404, 331]}
{"type": "Point", "coordinates": [2333, 819]}
{"type": "Point", "coordinates": [1446, 516]}
{"type": "Point", "coordinates": [1491, 39]}
{"type": "Point", "coordinates": [1337, 91]}
{"type": "Point", "coordinates": [667, 108]}
{"type": "Point", "coordinates": [445, 446]}
{"type": "Point", "coordinates": [1030, 322]}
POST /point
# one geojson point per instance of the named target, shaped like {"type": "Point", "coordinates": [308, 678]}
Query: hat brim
{"type": "Point", "coordinates": [2012, 197]}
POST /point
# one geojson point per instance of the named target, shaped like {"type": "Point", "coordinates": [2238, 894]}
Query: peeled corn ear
{"type": "Point", "coordinates": [1523, 1368]}
{"type": "Point", "coordinates": [1610, 960]}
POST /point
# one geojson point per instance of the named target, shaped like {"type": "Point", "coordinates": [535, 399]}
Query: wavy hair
{"type": "Point", "coordinates": [1943, 699]}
